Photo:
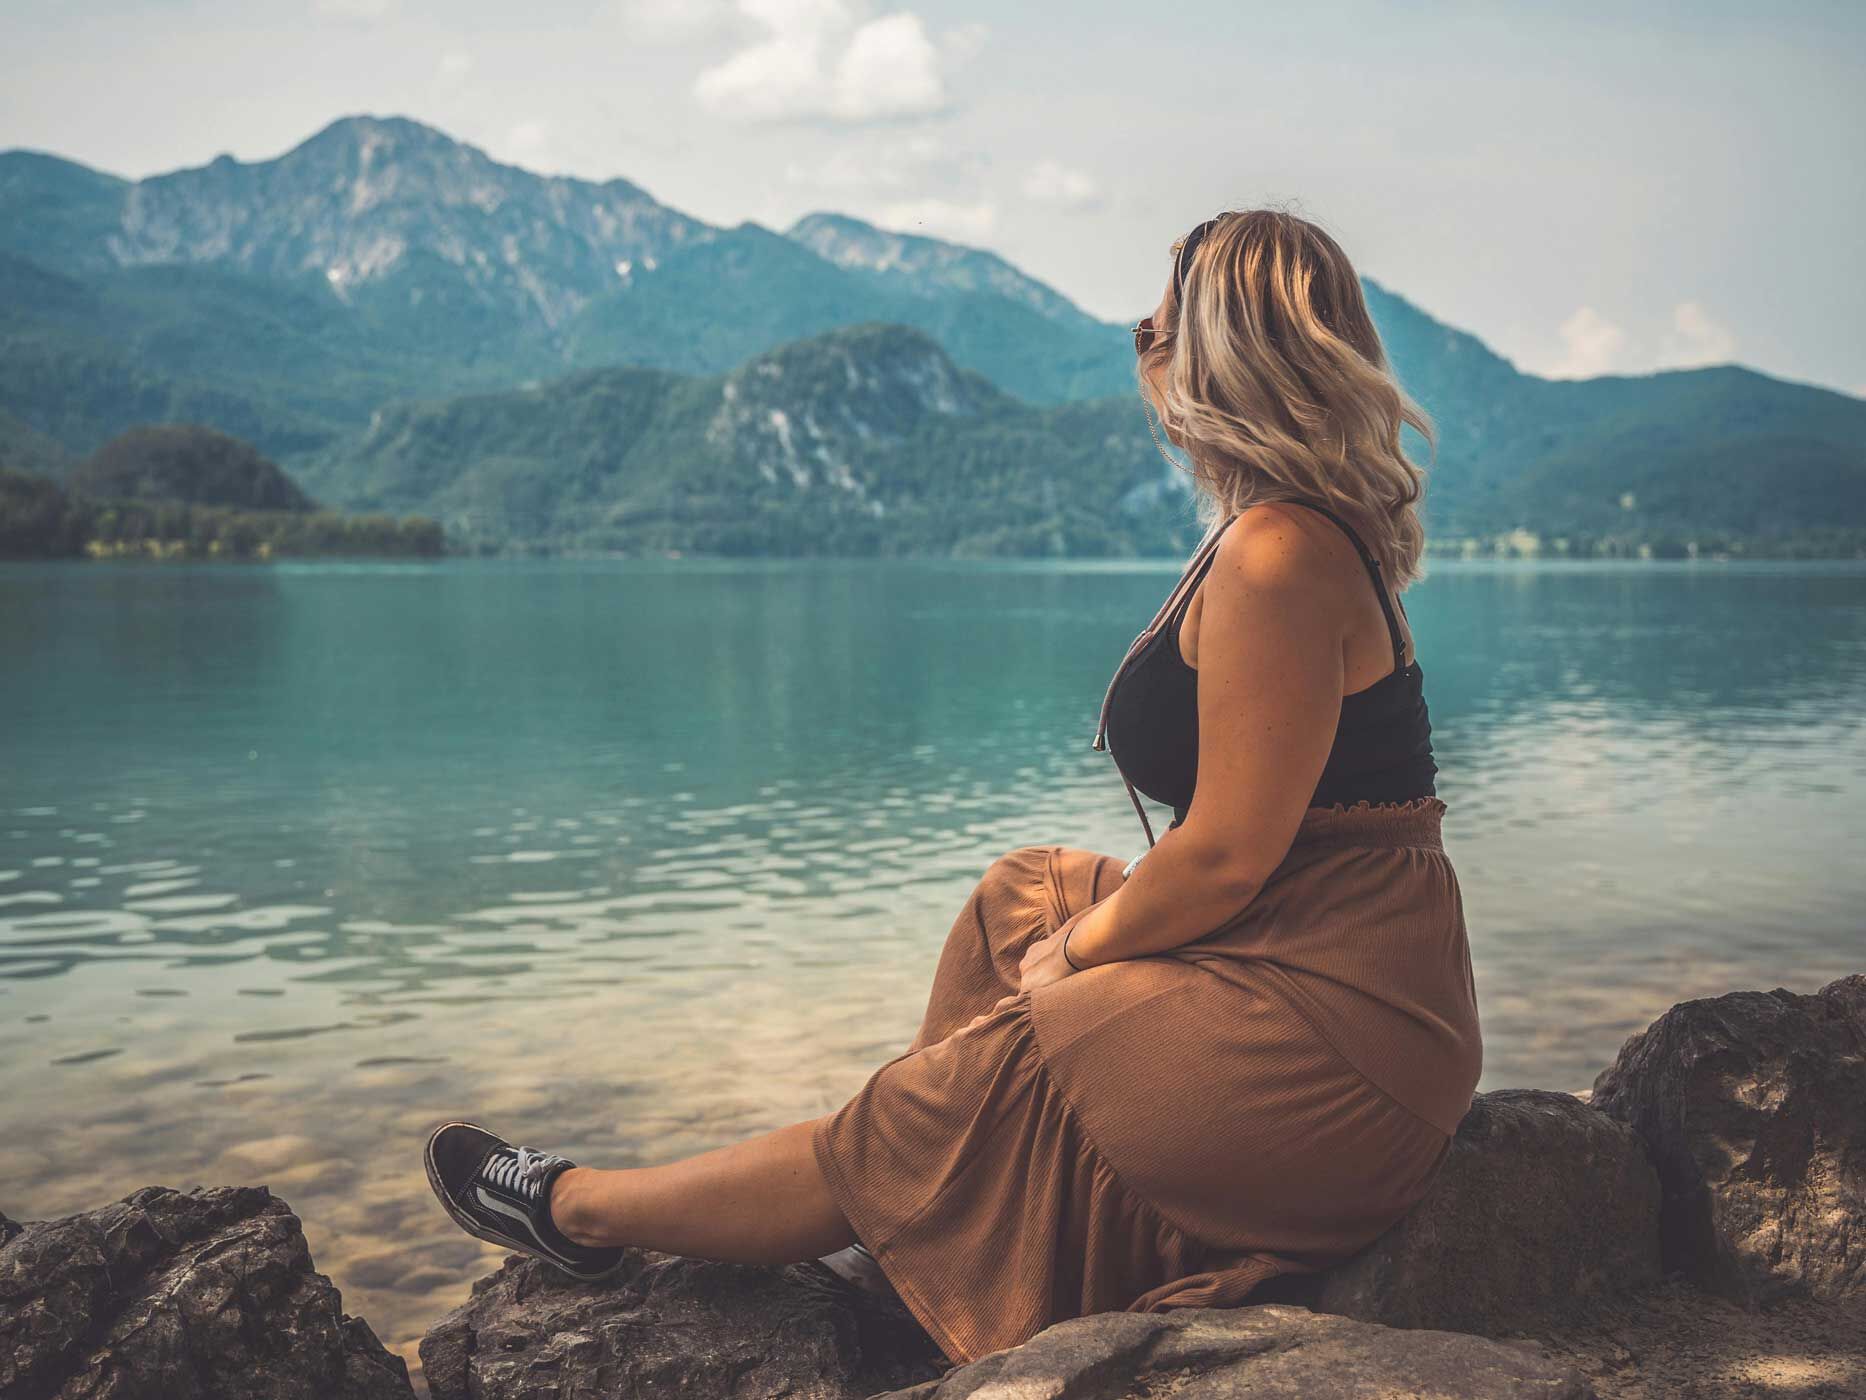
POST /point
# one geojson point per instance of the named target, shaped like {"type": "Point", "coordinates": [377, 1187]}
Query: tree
{"type": "Point", "coordinates": [189, 463]}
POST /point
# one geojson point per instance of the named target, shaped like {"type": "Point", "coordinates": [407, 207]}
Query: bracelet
{"type": "Point", "coordinates": [1066, 958]}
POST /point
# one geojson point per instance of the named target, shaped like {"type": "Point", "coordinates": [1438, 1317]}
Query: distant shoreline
{"type": "Point", "coordinates": [166, 554]}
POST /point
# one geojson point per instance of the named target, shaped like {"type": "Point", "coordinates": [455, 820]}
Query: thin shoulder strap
{"type": "Point", "coordinates": [1177, 615]}
{"type": "Point", "coordinates": [1188, 580]}
{"type": "Point", "coordinates": [1373, 572]}
{"type": "Point", "coordinates": [1189, 577]}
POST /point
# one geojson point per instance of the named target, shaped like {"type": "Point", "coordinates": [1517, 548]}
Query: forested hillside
{"type": "Point", "coordinates": [545, 362]}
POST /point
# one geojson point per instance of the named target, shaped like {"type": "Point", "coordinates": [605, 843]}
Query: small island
{"type": "Point", "coordinates": [184, 491]}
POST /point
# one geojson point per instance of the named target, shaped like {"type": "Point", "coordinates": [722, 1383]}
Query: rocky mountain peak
{"type": "Point", "coordinates": [810, 412]}
{"type": "Point", "coordinates": [363, 129]}
{"type": "Point", "coordinates": [368, 200]}
{"type": "Point", "coordinates": [878, 378]}
{"type": "Point", "coordinates": [930, 265]}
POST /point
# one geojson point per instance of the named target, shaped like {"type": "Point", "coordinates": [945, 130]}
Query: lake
{"type": "Point", "coordinates": [632, 858]}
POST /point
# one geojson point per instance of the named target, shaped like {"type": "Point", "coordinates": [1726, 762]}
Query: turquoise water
{"type": "Point", "coordinates": [633, 858]}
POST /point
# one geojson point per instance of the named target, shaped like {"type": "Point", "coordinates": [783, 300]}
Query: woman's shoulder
{"type": "Point", "coordinates": [1272, 543]}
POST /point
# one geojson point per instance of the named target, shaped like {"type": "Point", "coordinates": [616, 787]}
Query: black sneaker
{"type": "Point", "coordinates": [502, 1194]}
{"type": "Point", "coordinates": [859, 1268]}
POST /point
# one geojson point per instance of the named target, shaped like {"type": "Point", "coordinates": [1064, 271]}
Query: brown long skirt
{"type": "Point", "coordinates": [1172, 1130]}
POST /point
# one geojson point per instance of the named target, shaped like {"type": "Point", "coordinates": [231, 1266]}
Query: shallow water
{"type": "Point", "coordinates": [629, 859]}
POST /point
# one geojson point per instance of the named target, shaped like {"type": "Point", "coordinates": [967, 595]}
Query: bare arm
{"type": "Point", "coordinates": [1270, 677]}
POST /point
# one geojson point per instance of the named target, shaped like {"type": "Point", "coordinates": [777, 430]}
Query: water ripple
{"type": "Point", "coordinates": [649, 859]}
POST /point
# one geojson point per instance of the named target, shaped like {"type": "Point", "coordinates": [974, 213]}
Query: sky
{"type": "Point", "coordinates": [1589, 188]}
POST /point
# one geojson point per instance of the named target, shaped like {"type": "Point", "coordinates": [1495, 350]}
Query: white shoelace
{"type": "Point", "coordinates": [522, 1171]}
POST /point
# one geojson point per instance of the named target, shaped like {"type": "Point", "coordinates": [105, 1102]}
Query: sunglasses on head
{"type": "Point", "coordinates": [1145, 332]}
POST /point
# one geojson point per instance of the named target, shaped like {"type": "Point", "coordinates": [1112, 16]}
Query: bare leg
{"type": "Point", "coordinates": [762, 1201]}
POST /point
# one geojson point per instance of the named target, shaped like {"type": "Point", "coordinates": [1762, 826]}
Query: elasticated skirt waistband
{"type": "Point", "coordinates": [1412, 823]}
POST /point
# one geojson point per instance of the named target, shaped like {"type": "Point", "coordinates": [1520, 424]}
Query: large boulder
{"type": "Point", "coordinates": [1543, 1207]}
{"type": "Point", "coordinates": [164, 1296]}
{"type": "Point", "coordinates": [671, 1326]}
{"type": "Point", "coordinates": [1753, 1107]}
{"type": "Point", "coordinates": [1252, 1353]}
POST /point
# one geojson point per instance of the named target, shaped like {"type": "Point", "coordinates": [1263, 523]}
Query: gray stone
{"type": "Point", "coordinates": [1543, 1206]}
{"type": "Point", "coordinates": [164, 1296]}
{"type": "Point", "coordinates": [671, 1326]}
{"type": "Point", "coordinates": [1753, 1108]}
{"type": "Point", "coordinates": [1257, 1352]}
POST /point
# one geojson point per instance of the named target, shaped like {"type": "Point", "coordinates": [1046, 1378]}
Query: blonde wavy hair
{"type": "Point", "coordinates": [1276, 385]}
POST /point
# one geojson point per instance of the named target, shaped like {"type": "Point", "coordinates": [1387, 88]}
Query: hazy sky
{"type": "Point", "coordinates": [1590, 188]}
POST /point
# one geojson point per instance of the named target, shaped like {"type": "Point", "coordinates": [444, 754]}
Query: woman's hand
{"type": "Point", "coordinates": [1043, 961]}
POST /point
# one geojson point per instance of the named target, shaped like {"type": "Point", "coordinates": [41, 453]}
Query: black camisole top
{"type": "Point", "coordinates": [1150, 718]}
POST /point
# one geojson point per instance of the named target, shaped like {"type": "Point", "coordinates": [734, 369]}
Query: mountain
{"type": "Point", "coordinates": [382, 209]}
{"type": "Point", "coordinates": [26, 449]}
{"type": "Point", "coordinates": [382, 275]}
{"type": "Point", "coordinates": [381, 258]}
{"type": "Point", "coordinates": [284, 299]}
{"type": "Point", "coordinates": [182, 491]}
{"type": "Point", "coordinates": [718, 301]}
{"type": "Point", "coordinates": [872, 440]}
{"type": "Point", "coordinates": [1722, 449]}
{"type": "Point", "coordinates": [928, 267]}
{"type": "Point", "coordinates": [83, 358]}
{"type": "Point", "coordinates": [58, 211]}
{"type": "Point", "coordinates": [864, 440]}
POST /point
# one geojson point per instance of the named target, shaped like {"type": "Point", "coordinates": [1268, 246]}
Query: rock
{"type": "Point", "coordinates": [671, 1326]}
{"type": "Point", "coordinates": [1753, 1108]}
{"type": "Point", "coordinates": [1544, 1206]}
{"type": "Point", "coordinates": [180, 1297]}
{"type": "Point", "coordinates": [1251, 1353]}
{"type": "Point", "coordinates": [1728, 1140]}
{"type": "Point", "coordinates": [1676, 1340]}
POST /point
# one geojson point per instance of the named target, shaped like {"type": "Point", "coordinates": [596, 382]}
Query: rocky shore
{"type": "Point", "coordinates": [1696, 1226]}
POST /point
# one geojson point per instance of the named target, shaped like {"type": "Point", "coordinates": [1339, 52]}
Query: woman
{"type": "Point", "coordinates": [1242, 1056]}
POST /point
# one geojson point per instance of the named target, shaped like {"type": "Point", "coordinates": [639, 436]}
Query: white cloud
{"type": "Point", "coordinates": [454, 67]}
{"type": "Point", "coordinates": [890, 69]}
{"type": "Point", "coordinates": [1593, 345]}
{"type": "Point", "coordinates": [820, 59]}
{"type": "Point", "coordinates": [1050, 182]}
{"type": "Point", "coordinates": [671, 21]}
{"type": "Point", "coordinates": [941, 218]}
{"type": "Point", "coordinates": [1696, 339]}
{"type": "Point", "coordinates": [796, 16]}
{"type": "Point", "coordinates": [777, 78]}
